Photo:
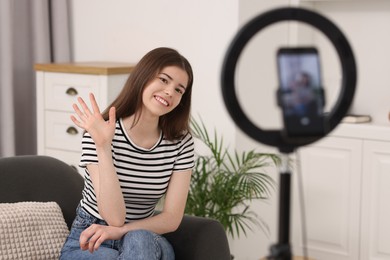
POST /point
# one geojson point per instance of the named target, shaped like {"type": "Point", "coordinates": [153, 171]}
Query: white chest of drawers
{"type": "Point", "coordinates": [58, 86]}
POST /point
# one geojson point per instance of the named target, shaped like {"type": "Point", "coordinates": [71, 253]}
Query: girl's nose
{"type": "Point", "coordinates": [168, 91]}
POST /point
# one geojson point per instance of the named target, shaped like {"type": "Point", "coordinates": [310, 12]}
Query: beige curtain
{"type": "Point", "coordinates": [30, 32]}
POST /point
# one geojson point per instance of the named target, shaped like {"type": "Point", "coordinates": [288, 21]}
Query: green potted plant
{"type": "Point", "coordinates": [224, 183]}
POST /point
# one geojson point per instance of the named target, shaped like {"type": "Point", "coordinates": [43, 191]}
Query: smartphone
{"type": "Point", "coordinates": [300, 92]}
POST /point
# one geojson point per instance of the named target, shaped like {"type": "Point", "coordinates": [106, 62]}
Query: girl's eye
{"type": "Point", "coordinates": [164, 80]}
{"type": "Point", "coordinates": [179, 90]}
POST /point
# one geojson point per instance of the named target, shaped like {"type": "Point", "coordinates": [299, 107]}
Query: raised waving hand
{"type": "Point", "coordinates": [100, 130]}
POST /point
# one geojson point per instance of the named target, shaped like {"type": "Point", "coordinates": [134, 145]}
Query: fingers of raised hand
{"type": "Point", "coordinates": [80, 114]}
{"type": "Point", "coordinates": [81, 117]}
{"type": "Point", "coordinates": [84, 106]}
{"type": "Point", "coordinates": [111, 115]}
{"type": "Point", "coordinates": [74, 119]}
{"type": "Point", "coordinates": [84, 113]}
{"type": "Point", "coordinates": [94, 104]}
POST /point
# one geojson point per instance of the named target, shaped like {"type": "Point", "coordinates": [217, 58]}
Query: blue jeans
{"type": "Point", "coordinates": [137, 244]}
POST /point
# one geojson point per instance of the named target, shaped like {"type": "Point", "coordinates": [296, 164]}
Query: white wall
{"type": "Point", "coordinates": [124, 30]}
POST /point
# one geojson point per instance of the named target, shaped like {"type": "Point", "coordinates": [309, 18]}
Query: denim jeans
{"type": "Point", "coordinates": [137, 244]}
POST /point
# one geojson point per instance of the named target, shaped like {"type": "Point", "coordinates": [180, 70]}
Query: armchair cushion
{"type": "Point", "coordinates": [31, 230]}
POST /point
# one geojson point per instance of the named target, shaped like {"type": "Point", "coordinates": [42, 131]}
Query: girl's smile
{"type": "Point", "coordinates": [161, 100]}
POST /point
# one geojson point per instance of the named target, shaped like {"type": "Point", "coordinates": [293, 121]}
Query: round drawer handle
{"type": "Point", "coordinates": [71, 91]}
{"type": "Point", "coordinates": [72, 130]}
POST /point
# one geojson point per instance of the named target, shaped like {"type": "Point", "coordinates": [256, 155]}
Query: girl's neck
{"type": "Point", "coordinates": [143, 123]}
{"type": "Point", "coordinates": [143, 131]}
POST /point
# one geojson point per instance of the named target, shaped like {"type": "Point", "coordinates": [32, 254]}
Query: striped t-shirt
{"type": "Point", "coordinates": [143, 174]}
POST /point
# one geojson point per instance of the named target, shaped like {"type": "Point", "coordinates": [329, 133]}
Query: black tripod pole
{"type": "Point", "coordinates": [282, 250]}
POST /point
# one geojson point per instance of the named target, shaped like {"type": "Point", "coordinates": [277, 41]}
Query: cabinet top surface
{"type": "Point", "coordinates": [96, 68]}
{"type": "Point", "coordinates": [367, 131]}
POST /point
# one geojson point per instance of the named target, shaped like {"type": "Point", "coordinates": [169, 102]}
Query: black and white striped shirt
{"type": "Point", "coordinates": [143, 174]}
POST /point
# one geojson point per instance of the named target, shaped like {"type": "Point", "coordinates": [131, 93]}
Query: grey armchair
{"type": "Point", "coordinates": [43, 179]}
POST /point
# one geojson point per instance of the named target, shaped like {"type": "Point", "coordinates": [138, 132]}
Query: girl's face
{"type": "Point", "coordinates": [164, 92]}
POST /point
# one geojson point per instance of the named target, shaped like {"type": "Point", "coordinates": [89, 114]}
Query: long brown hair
{"type": "Point", "coordinates": [129, 101]}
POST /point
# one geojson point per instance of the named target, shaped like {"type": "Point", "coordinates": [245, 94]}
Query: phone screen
{"type": "Point", "coordinates": [300, 91]}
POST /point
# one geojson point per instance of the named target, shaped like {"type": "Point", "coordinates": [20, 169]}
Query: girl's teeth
{"type": "Point", "coordinates": [162, 101]}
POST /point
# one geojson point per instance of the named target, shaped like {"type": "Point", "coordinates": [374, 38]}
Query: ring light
{"type": "Point", "coordinates": [348, 66]}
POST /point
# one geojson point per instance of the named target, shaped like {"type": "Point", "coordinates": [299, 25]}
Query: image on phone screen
{"type": "Point", "coordinates": [300, 90]}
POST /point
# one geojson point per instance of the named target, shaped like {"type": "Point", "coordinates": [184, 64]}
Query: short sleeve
{"type": "Point", "coordinates": [185, 158]}
{"type": "Point", "coordinates": [88, 155]}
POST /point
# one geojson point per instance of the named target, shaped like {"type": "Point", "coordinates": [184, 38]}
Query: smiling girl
{"type": "Point", "coordinates": [134, 153]}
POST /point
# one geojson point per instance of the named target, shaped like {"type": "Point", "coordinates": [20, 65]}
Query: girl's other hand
{"type": "Point", "coordinates": [92, 237]}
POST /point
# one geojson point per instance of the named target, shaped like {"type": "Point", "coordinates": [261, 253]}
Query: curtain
{"type": "Point", "coordinates": [30, 32]}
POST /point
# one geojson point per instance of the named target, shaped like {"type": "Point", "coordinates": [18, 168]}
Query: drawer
{"type": "Point", "coordinates": [71, 158]}
{"type": "Point", "coordinates": [61, 90]}
{"type": "Point", "coordinates": [61, 132]}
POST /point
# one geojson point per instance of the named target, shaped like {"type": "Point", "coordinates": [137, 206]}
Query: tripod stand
{"type": "Point", "coordinates": [282, 250]}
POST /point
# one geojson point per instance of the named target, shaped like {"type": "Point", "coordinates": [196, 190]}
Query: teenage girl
{"type": "Point", "coordinates": [134, 153]}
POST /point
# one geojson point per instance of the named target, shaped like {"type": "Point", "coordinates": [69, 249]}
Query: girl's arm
{"type": "Point", "coordinates": [173, 210]}
{"type": "Point", "coordinates": [103, 175]}
{"type": "Point", "coordinates": [109, 195]}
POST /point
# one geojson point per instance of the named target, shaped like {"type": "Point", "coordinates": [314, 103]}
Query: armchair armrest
{"type": "Point", "coordinates": [199, 238]}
